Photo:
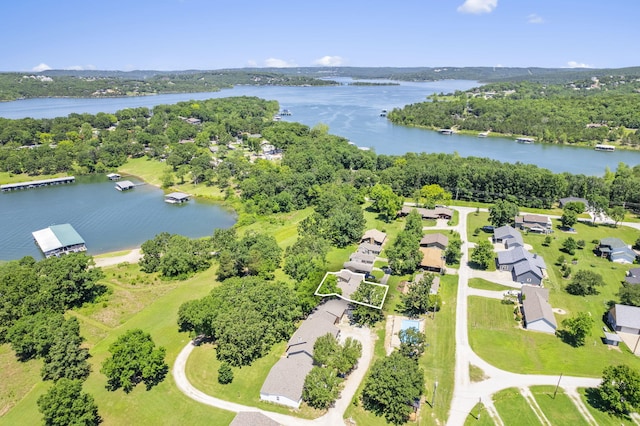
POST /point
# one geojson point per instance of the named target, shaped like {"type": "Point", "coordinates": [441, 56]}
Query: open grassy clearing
{"type": "Point", "coordinates": [7, 177]}
{"type": "Point", "coordinates": [483, 284]}
{"type": "Point", "coordinates": [479, 416]}
{"type": "Point", "coordinates": [603, 418]}
{"type": "Point", "coordinates": [18, 378]}
{"type": "Point", "coordinates": [495, 336]}
{"type": "Point", "coordinates": [477, 221]}
{"type": "Point", "coordinates": [514, 409]}
{"type": "Point", "coordinates": [559, 410]}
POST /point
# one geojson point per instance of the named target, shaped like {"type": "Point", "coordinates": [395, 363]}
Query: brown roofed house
{"type": "Point", "coordinates": [435, 240]}
{"type": "Point", "coordinates": [373, 236]}
{"type": "Point", "coordinates": [432, 259]}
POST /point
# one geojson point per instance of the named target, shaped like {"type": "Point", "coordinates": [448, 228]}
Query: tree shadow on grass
{"type": "Point", "coordinates": [595, 401]}
{"type": "Point", "coordinates": [567, 338]}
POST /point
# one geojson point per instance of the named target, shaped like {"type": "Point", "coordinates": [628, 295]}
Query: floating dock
{"type": "Point", "coordinates": [37, 183]}
{"type": "Point", "coordinates": [176, 198]}
{"type": "Point", "coordinates": [114, 176]}
{"type": "Point", "coordinates": [125, 185]}
{"type": "Point", "coordinates": [58, 240]}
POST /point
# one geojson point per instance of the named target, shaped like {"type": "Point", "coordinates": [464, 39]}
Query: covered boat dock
{"type": "Point", "coordinates": [37, 183]}
{"type": "Point", "coordinates": [176, 198]}
{"type": "Point", "coordinates": [57, 240]}
{"type": "Point", "coordinates": [125, 185]}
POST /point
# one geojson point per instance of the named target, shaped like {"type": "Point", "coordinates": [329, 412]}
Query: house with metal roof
{"type": "Point", "coordinates": [176, 198]}
{"type": "Point", "coordinates": [285, 380]}
{"type": "Point", "coordinates": [538, 314]}
{"type": "Point", "coordinates": [616, 250]}
{"type": "Point", "coordinates": [125, 185]}
{"type": "Point", "coordinates": [509, 236]}
{"type": "Point", "coordinates": [57, 240]}
{"type": "Point", "coordinates": [625, 318]}
{"type": "Point", "coordinates": [525, 267]}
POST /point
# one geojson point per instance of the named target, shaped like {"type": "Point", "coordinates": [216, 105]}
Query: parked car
{"type": "Point", "coordinates": [488, 228]}
{"type": "Point", "coordinates": [386, 269]}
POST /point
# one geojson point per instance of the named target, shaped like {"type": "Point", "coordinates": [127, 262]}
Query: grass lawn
{"type": "Point", "coordinates": [479, 416]}
{"type": "Point", "coordinates": [601, 417]}
{"type": "Point", "coordinates": [149, 170]}
{"type": "Point", "coordinates": [487, 285]}
{"type": "Point", "coordinates": [495, 336]}
{"type": "Point", "coordinates": [477, 221]}
{"type": "Point", "coordinates": [476, 374]}
{"type": "Point", "coordinates": [165, 401]}
{"type": "Point", "coordinates": [514, 409]}
{"type": "Point", "coordinates": [18, 378]}
{"type": "Point", "coordinates": [559, 410]}
{"type": "Point", "coordinates": [283, 226]}
{"type": "Point", "coordinates": [202, 371]}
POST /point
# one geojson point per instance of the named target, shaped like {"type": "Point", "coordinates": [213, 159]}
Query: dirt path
{"type": "Point", "coordinates": [574, 395]}
{"type": "Point", "coordinates": [132, 257]}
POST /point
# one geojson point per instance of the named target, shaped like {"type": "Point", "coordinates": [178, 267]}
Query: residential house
{"type": "Point", "coordinates": [615, 250]}
{"type": "Point", "coordinates": [435, 240]}
{"type": "Point", "coordinates": [437, 213]}
{"type": "Point", "coordinates": [432, 259]}
{"type": "Point", "coordinates": [348, 282]}
{"type": "Point", "coordinates": [525, 267]}
{"type": "Point", "coordinates": [563, 201]}
{"type": "Point", "coordinates": [538, 314]}
{"type": "Point", "coordinates": [435, 284]}
{"type": "Point", "coordinates": [625, 319]}
{"type": "Point", "coordinates": [509, 236]}
{"type": "Point", "coordinates": [373, 236]}
{"type": "Point", "coordinates": [367, 248]}
{"type": "Point", "coordinates": [633, 276]}
{"type": "Point", "coordinates": [358, 267]}
{"type": "Point", "coordinates": [534, 223]}
{"type": "Point", "coordinates": [285, 380]}
{"type": "Point", "coordinates": [193, 120]}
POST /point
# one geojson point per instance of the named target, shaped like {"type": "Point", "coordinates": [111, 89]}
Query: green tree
{"type": "Point", "coordinates": [65, 358]}
{"type": "Point", "coordinates": [416, 301]}
{"type": "Point", "coordinates": [452, 254]}
{"type": "Point", "coordinates": [617, 213]}
{"type": "Point", "coordinates": [575, 206]}
{"type": "Point", "coordinates": [134, 359]}
{"type": "Point", "coordinates": [321, 387]}
{"type": "Point", "coordinates": [385, 201]}
{"type": "Point", "coordinates": [393, 384]}
{"type": "Point", "coordinates": [577, 328]}
{"type": "Point", "coordinates": [585, 283]}
{"type": "Point", "coordinates": [66, 404]}
{"type": "Point", "coordinates": [502, 213]}
{"type": "Point", "coordinates": [483, 254]}
{"type": "Point", "coordinates": [412, 343]}
{"type": "Point", "coordinates": [569, 246]}
{"type": "Point", "coordinates": [434, 194]}
{"type": "Point", "coordinates": [619, 390]}
{"type": "Point", "coordinates": [350, 353]}
{"type": "Point", "coordinates": [629, 294]}
{"type": "Point", "coordinates": [326, 350]}
{"type": "Point", "coordinates": [225, 373]}
{"type": "Point", "coordinates": [568, 218]}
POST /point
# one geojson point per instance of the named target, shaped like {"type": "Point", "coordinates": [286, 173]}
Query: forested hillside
{"type": "Point", "coordinates": [586, 111]}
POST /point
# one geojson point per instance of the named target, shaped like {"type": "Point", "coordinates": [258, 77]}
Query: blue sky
{"type": "Point", "coordinates": [214, 34]}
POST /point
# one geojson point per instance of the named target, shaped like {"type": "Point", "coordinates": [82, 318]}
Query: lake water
{"type": "Point", "coordinates": [107, 219]}
{"type": "Point", "coordinates": [353, 112]}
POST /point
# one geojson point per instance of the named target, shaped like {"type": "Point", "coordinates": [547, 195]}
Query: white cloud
{"type": "Point", "coordinates": [41, 67]}
{"type": "Point", "coordinates": [329, 61]}
{"type": "Point", "coordinates": [534, 18]}
{"type": "Point", "coordinates": [574, 64]}
{"type": "Point", "coordinates": [478, 6]}
{"type": "Point", "coordinates": [251, 63]}
{"type": "Point", "coordinates": [279, 63]}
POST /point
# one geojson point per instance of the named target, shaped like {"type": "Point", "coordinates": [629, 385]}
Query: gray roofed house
{"type": "Point", "coordinates": [437, 240]}
{"type": "Point", "coordinates": [435, 284]}
{"type": "Point", "coordinates": [633, 276]}
{"type": "Point", "coordinates": [369, 248]}
{"type": "Point", "coordinates": [534, 223]}
{"type": "Point", "coordinates": [252, 418]}
{"type": "Point", "coordinates": [348, 282]}
{"type": "Point", "coordinates": [525, 267]}
{"type": "Point", "coordinates": [616, 250]}
{"type": "Point", "coordinates": [509, 236]}
{"type": "Point", "coordinates": [538, 314]}
{"type": "Point", "coordinates": [359, 267]}
{"type": "Point", "coordinates": [285, 380]}
{"type": "Point", "coordinates": [362, 257]}
{"type": "Point", "coordinates": [625, 319]}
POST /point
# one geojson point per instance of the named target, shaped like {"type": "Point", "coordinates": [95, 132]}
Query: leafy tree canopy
{"type": "Point", "coordinates": [66, 404]}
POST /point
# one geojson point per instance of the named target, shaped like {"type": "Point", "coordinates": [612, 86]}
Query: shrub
{"type": "Point", "coordinates": [225, 374]}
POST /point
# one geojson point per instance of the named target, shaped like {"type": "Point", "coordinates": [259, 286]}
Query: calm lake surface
{"type": "Point", "coordinates": [107, 219]}
{"type": "Point", "coordinates": [353, 112]}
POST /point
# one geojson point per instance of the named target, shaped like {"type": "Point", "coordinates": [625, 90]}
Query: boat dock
{"type": "Point", "coordinates": [176, 198]}
{"type": "Point", "coordinates": [525, 140]}
{"type": "Point", "coordinates": [125, 185]}
{"type": "Point", "coordinates": [57, 240]}
{"type": "Point", "coordinates": [445, 131]}
{"type": "Point", "coordinates": [114, 176]}
{"type": "Point", "coordinates": [37, 183]}
{"type": "Point", "coordinates": [602, 147]}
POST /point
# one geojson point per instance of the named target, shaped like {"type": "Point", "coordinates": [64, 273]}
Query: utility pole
{"type": "Point", "coordinates": [556, 391]}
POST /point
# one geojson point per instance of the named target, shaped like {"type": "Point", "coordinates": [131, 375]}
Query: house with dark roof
{"type": "Point", "coordinates": [534, 223]}
{"type": "Point", "coordinates": [525, 267]}
{"type": "Point", "coordinates": [367, 248]}
{"type": "Point", "coordinates": [437, 213]}
{"type": "Point", "coordinates": [633, 276]}
{"type": "Point", "coordinates": [285, 380]}
{"type": "Point", "coordinates": [538, 314]}
{"type": "Point", "coordinates": [436, 240]}
{"type": "Point", "coordinates": [509, 236]}
{"type": "Point", "coordinates": [625, 319]}
{"type": "Point", "coordinates": [615, 250]}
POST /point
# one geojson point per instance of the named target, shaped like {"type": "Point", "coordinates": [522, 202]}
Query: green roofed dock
{"type": "Point", "coordinates": [57, 240]}
{"type": "Point", "coordinates": [37, 183]}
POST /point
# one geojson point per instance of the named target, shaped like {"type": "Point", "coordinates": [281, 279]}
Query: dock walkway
{"type": "Point", "coordinates": [37, 183]}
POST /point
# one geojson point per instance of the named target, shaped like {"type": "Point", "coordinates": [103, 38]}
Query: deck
{"type": "Point", "coordinates": [37, 183]}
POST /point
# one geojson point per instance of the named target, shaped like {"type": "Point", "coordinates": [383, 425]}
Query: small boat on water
{"type": "Point", "coordinates": [483, 134]}
{"type": "Point", "coordinates": [383, 113]}
{"type": "Point", "coordinates": [445, 131]}
{"type": "Point", "coordinates": [525, 140]}
{"type": "Point", "coordinates": [602, 147]}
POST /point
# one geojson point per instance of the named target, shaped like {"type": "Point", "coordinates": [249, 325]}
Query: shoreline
{"type": "Point", "coordinates": [106, 259]}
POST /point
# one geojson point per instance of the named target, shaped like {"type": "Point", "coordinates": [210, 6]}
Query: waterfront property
{"type": "Point", "coordinates": [602, 147]}
{"type": "Point", "coordinates": [285, 380]}
{"type": "Point", "coordinates": [37, 183]}
{"type": "Point", "coordinates": [537, 311]}
{"type": "Point", "coordinates": [125, 185]}
{"type": "Point", "coordinates": [57, 240]}
{"type": "Point", "coordinates": [525, 140]}
{"type": "Point", "coordinates": [176, 198]}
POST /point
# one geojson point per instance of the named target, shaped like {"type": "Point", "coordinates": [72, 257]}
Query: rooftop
{"type": "Point", "coordinates": [56, 237]}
